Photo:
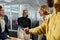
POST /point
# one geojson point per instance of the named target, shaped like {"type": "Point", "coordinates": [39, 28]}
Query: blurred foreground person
{"type": "Point", "coordinates": [44, 12]}
{"type": "Point", "coordinates": [3, 24]}
{"type": "Point", "coordinates": [51, 26]}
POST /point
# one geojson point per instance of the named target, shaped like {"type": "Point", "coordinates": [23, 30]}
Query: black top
{"type": "Point", "coordinates": [24, 22]}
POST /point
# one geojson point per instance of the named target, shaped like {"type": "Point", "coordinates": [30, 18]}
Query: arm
{"type": "Point", "coordinates": [40, 29]}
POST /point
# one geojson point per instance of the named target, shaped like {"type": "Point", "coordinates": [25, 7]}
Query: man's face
{"type": "Point", "coordinates": [25, 13]}
{"type": "Point", "coordinates": [41, 12]}
{"type": "Point", "coordinates": [2, 12]}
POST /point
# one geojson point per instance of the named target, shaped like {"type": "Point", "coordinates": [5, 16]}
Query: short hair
{"type": "Point", "coordinates": [46, 9]}
{"type": "Point", "coordinates": [0, 7]}
{"type": "Point", "coordinates": [24, 11]}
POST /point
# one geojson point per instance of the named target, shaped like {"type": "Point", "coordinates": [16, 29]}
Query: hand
{"type": "Point", "coordinates": [8, 36]}
{"type": "Point", "coordinates": [26, 30]}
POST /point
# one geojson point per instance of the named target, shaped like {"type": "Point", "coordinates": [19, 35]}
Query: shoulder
{"type": "Point", "coordinates": [5, 16]}
{"type": "Point", "coordinates": [28, 19]}
{"type": "Point", "coordinates": [20, 17]}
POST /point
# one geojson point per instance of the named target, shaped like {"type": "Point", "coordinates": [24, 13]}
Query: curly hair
{"type": "Point", "coordinates": [45, 9]}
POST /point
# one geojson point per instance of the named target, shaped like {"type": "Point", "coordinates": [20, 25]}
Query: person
{"type": "Point", "coordinates": [50, 3]}
{"type": "Point", "coordinates": [24, 21]}
{"type": "Point", "coordinates": [51, 26]}
{"type": "Point", "coordinates": [44, 11]}
{"type": "Point", "coordinates": [4, 33]}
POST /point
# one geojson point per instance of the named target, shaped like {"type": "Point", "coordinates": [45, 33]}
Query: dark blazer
{"type": "Point", "coordinates": [5, 33]}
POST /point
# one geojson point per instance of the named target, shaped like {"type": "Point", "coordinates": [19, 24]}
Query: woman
{"type": "Point", "coordinates": [44, 12]}
{"type": "Point", "coordinates": [3, 24]}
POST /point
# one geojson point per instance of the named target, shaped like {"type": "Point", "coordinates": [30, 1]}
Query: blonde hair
{"type": "Point", "coordinates": [46, 9]}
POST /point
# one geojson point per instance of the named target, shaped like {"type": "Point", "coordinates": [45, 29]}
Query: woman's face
{"type": "Point", "coordinates": [41, 12]}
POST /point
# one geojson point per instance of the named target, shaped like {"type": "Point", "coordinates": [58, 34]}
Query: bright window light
{"type": "Point", "coordinates": [8, 0]}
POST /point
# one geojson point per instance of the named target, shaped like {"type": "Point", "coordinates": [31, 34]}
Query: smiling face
{"type": "Point", "coordinates": [44, 10]}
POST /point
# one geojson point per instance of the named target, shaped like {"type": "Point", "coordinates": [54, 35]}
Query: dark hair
{"type": "Point", "coordinates": [0, 7]}
{"type": "Point", "coordinates": [50, 3]}
{"type": "Point", "coordinates": [24, 11]}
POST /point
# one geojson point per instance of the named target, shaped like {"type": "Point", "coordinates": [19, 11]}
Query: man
{"type": "Point", "coordinates": [51, 26]}
{"type": "Point", "coordinates": [3, 24]}
{"type": "Point", "coordinates": [24, 21]}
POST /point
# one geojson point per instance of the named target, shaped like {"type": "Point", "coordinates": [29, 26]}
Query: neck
{"type": "Point", "coordinates": [44, 17]}
{"type": "Point", "coordinates": [1, 17]}
{"type": "Point", "coordinates": [24, 16]}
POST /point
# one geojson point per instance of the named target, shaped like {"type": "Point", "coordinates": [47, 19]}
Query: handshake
{"type": "Point", "coordinates": [26, 30]}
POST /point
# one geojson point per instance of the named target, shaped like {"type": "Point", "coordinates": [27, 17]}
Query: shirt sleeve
{"type": "Point", "coordinates": [40, 29]}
